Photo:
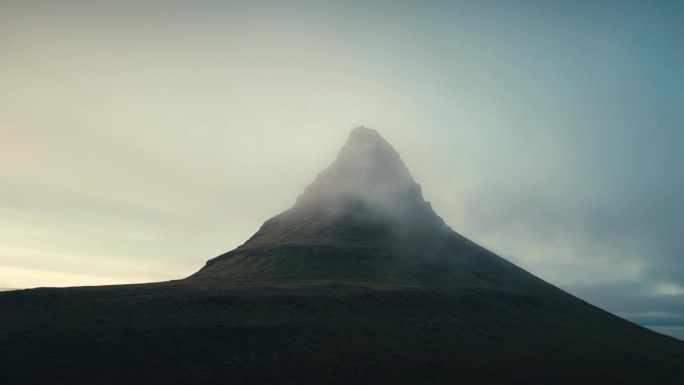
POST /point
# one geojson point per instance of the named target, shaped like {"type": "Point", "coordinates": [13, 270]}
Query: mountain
{"type": "Point", "coordinates": [363, 217]}
{"type": "Point", "coordinates": [360, 281]}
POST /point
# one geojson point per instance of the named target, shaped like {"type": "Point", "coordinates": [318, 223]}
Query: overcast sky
{"type": "Point", "coordinates": [139, 139]}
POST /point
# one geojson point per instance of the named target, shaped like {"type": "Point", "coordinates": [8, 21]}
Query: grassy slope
{"type": "Point", "coordinates": [347, 301]}
{"type": "Point", "coordinates": [320, 331]}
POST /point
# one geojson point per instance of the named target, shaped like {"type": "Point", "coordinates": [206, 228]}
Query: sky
{"type": "Point", "coordinates": [138, 139]}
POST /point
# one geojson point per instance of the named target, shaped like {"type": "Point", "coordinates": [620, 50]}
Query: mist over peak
{"type": "Point", "coordinates": [368, 172]}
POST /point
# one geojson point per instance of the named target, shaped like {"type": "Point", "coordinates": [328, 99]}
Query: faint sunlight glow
{"type": "Point", "coordinates": [668, 289]}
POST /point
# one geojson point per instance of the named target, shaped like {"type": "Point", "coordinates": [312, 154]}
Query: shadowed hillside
{"type": "Point", "coordinates": [359, 282]}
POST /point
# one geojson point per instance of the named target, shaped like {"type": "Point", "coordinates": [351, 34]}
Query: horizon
{"type": "Point", "coordinates": [143, 138]}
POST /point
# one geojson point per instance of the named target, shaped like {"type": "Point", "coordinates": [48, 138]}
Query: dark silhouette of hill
{"type": "Point", "coordinates": [359, 282]}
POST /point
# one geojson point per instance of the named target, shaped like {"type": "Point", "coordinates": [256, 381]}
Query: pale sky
{"type": "Point", "coordinates": [139, 139]}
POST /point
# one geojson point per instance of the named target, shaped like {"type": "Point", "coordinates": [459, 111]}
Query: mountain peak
{"type": "Point", "coordinates": [364, 207]}
{"type": "Point", "coordinates": [363, 133]}
{"type": "Point", "coordinates": [367, 185]}
{"type": "Point", "coordinates": [367, 170]}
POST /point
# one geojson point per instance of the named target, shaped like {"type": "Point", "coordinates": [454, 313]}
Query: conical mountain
{"type": "Point", "coordinates": [363, 217]}
{"type": "Point", "coordinates": [367, 187]}
{"type": "Point", "coordinates": [359, 282]}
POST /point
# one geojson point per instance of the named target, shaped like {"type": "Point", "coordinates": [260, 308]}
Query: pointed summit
{"type": "Point", "coordinates": [362, 217]}
{"type": "Point", "coordinates": [367, 189]}
{"type": "Point", "coordinates": [367, 172]}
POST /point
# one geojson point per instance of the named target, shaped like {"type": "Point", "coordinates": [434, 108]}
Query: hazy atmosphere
{"type": "Point", "coordinates": [139, 139]}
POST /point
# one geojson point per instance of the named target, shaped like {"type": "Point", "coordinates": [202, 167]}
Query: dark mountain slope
{"type": "Point", "coordinates": [359, 282]}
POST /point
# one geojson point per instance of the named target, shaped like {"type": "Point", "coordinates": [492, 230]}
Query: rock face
{"type": "Point", "coordinates": [360, 282]}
